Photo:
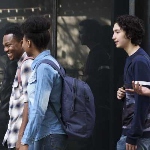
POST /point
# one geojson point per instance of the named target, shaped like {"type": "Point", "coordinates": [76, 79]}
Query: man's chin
{"type": "Point", "coordinates": [11, 58]}
{"type": "Point", "coordinates": [29, 55]}
{"type": "Point", "coordinates": [117, 46]}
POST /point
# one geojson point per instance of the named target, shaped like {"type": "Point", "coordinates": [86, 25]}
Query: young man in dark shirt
{"type": "Point", "coordinates": [128, 33]}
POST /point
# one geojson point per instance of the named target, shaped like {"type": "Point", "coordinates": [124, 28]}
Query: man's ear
{"type": "Point", "coordinates": [29, 43]}
{"type": "Point", "coordinates": [21, 42]}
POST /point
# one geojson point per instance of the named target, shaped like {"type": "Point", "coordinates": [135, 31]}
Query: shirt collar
{"type": "Point", "coordinates": [21, 59]}
{"type": "Point", "coordinates": [138, 52]}
{"type": "Point", "coordinates": [40, 57]}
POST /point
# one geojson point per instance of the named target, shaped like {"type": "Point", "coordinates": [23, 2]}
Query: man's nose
{"type": "Point", "coordinates": [5, 48]}
{"type": "Point", "coordinates": [113, 37]}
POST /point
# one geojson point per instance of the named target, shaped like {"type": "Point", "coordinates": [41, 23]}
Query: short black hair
{"type": "Point", "coordinates": [15, 29]}
{"type": "Point", "coordinates": [36, 28]}
{"type": "Point", "coordinates": [133, 26]}
{"type": "Point", "coordinates": [93, 28]}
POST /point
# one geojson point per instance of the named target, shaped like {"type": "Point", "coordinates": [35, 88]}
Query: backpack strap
{"type": "Point", "coordinates": [55, 112]}
{"type": "Point", "coordinates": [61, 71]}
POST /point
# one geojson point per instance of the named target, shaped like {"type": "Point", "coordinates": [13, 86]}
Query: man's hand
{"type": "Point", "coordinates": [120, 93]}
{"type": "Point", "coordinates": [139, 89]}
{"type": "Point", "coordinates": [18, 144]}
{"type": "Point", "coordinates": [130, 147]}
{"type": "Point", "coordinates": [23, 147]}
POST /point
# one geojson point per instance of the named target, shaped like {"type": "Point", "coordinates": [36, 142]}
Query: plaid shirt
{"type": "Point", "coordinates": [17, 100]}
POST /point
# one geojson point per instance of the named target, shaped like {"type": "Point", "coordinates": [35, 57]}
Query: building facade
{"type": "Point", "coordinates": [66, 46]}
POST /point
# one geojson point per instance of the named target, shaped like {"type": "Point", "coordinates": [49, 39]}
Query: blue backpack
{"type": "Point", "coordinates": [77, 105]}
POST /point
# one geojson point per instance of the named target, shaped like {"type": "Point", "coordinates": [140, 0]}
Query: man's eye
{"type": "Point", "coordinates": [9, 45]}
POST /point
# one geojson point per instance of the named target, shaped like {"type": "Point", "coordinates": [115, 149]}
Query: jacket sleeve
{"type": "Point", "coordinates": [43, 85]}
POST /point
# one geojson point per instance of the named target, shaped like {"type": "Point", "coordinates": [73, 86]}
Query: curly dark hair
{"type": "Point", "coordinates": [133, 26]}
{"type": "Point", "coordinates": [36, 28]}
{"type": "Point", "coordinates": [15, 29]}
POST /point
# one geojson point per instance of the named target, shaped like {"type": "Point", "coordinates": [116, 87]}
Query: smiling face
{"type": "Point", "coordinates": [12, 47]}
{"type": "Point", "coordinates": [119, 37]}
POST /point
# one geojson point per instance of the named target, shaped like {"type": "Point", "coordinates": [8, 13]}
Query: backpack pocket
{"type": "Point", "coordinates": [80, 123]}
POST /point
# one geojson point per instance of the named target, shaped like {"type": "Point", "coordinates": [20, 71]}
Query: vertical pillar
{"type": "Point", "coordinates": [119, 7]}
{"type": "Point", "coordinates": [54, 28]}
{"type": "Point", "coordinates": [132, 7]}
{"type": "Point", "coordinates": [147, 26]}
{"type": "Point", "coordinates": [142, 10]}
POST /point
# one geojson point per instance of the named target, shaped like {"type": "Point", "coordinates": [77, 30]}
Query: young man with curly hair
{"type": "Point", "coordinates": [128, 33]}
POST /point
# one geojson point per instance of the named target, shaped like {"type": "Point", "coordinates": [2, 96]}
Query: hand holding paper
{"type": "Point", "coordinates": [139, 88]}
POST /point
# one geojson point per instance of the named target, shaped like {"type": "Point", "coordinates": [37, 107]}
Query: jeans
{"type": "Point", "coordinates": [50, 142]}
{"type": "Point", "coordinates": [142, 143]}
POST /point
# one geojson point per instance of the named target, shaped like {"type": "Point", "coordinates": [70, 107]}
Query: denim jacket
{"type": "Point", "coordinates": [43, 83]}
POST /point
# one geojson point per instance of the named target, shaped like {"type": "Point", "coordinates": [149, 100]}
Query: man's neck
{"type": "Point", "coordinates": [131, 49]}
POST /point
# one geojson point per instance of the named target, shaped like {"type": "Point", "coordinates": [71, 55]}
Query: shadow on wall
{"type": "Point", "coordinates": [70, 53]}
